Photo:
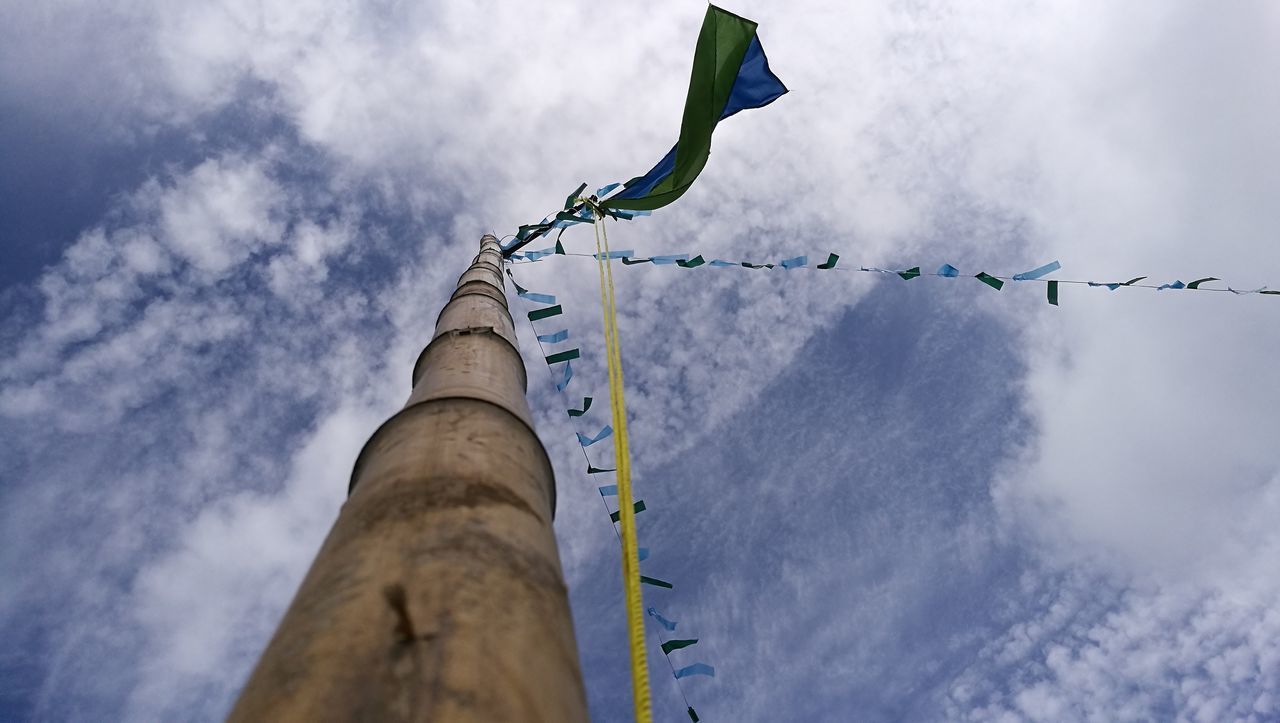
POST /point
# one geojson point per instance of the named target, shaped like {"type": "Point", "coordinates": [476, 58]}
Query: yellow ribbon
{"type": "Point", "coordinates": [630, 549]}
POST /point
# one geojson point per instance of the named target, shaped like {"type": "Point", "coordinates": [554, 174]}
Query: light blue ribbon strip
{"type": "Point", "coordinates": [644, 553]}
{"type": "Point", "coordinates": [1038, 272]}
{"type": "Point", "coordinates": [601, 193]}
{"type": "Point", "coordinates": [948, 270]}
{"type": "Point", "coordinates": [653, 613]}
{"type": "Point", "coordinates": [535, 255]}
{"type": "Point", "coordinates": [615, 254]}
{"type": "Point", "coordinates": [719, 262]}
{"type": "Point", "coordinates": [568, 374]}
{"type": "Point", "coordinates": [795, 262]}
{"type": "Point", "coordinates": [1177, 284]}
{"type": "Point", "coordinates": [586, 441]}
{"type": "Point", "coordinates": [538, 298]}
{"type": "Point", "coordinates": [609, 490]}
{"type": "Point", "coordinates": [669, 259]}
{"type": "Point", "coordinates": [1117, 284]}
{"type": "Point", "coordinates": [696, 669]}
{"type": "Point", "coordinates": [555, 338]}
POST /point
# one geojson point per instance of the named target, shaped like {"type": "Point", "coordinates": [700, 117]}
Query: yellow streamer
{"type": "Point", "coordinates": [627, 516]}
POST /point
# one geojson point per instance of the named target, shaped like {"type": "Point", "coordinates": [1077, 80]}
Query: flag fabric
{"type": "Point", "coordinates": [730, 74]}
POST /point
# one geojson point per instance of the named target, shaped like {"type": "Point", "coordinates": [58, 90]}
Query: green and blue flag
{"type": "Point", "coordinates": [730, 74]}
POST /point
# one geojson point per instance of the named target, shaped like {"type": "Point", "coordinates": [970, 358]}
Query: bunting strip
{"type": "Point", "coordinates": [562, 356]}
{"type": "Point", "coordinates": [555, 338]}
{"type": "Point", "coordinates": [989, 280]}
{"type": "Point", "coordinates": [674, 644]}
{"type": "Point", "coordinates": [638, 507]}
{"type": "Point", "coordinates": [994, 281]}
{"type": "Point", "coordinates": [547, 313]}
{"type": "Point", "coordinates": [586, 441]}
{"type": "Point", "coordinates": [568, 374]}
{"type": "Point", "coordinates": [1037, 272]}
{"type": "Point", "coordinates": [669, 625]}
{"type": "Point", "coordinates": [696, 669]}
{"type": "Point", "coordinates": [586, 404]}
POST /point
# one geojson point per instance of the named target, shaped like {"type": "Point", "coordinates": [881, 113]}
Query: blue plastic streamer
{"type": "Point", "coordinates": [615, 254]}
{"type": "Point", "coordinates": [948, 270]}
{"type": "Point", "coordinates": [538, 298]}
{"type": "Point", "coordinates": [1177, 284]}
{"type": "Point", "coordinates": [795, 262]}
{"type": "Point", "coordinates": [586, 441]}
{"type": "Point", "coordinates": [644, 553]}
{"type": "Point", "coordinates": [601, 193]}
{"type": "Point", "coordinates": [670, 259]}
{"type": "Point", "coordinates": [1038, 272]}
{"type": "Point", "coordinates": [696, 669]}
{"type": "Point", "coordinates": [720, 262]}
{"type": "Point", "coordinates": [555, 338]}
{"type": "Point", "coordinates": [669, 625]}
{"type": "Point", "coordinates": [568, 374]}
{"type": "Point", "coordinates": [535, 255]}
{"type": "Point", "coordinates": [608, 490]}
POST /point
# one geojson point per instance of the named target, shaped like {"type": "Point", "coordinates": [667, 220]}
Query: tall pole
{"type": "Point", "coordinates": [438, 594]}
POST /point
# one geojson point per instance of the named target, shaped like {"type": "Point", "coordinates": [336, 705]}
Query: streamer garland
{"type": "Point", "coordinates": [585, 439]}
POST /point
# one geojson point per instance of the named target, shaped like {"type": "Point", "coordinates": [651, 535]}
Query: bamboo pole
{"type": "Point", "coordinates": [438, 594]}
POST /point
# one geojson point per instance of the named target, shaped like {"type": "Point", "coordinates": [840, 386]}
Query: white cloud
{"type": "Point", "coordinates": [220, 213]}
{"type": "Point", "coordinates": [209, 603]}
{"type": "Point", "coordinates": [1120, 140]}
{"type": "Point", "coordinates": [1161, 653]}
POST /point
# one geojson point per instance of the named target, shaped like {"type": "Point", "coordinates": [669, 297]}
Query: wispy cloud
{"type": "Point", "coordinates": [910, 499]}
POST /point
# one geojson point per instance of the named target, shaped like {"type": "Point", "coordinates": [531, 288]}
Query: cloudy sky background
{"type": "Point", "coordinates": [227, 228]}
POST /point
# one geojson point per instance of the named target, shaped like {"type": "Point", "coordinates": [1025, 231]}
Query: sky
{"type": "Point", "coordinates": [227, 227]}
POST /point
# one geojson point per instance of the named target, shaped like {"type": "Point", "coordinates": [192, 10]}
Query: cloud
{"type": "Point", "coordinates": [1160, 652]}
{"type": "Point", "coordinates": [178, 401]}
{"type": "Point", "coordinates": [219, 215]}
{"type": "Point", "coordinates": [209, 603]}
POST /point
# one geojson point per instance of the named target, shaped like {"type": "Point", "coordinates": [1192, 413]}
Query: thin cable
{"type": "Point", "coordinates": [1238, 292]}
